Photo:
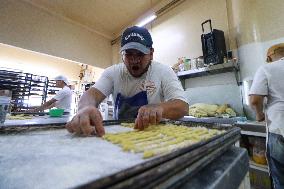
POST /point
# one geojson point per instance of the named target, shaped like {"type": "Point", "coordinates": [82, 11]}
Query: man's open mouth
{"type": "Point", "coordinates": [135, 68]}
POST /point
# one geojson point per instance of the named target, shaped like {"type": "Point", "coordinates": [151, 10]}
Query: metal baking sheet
{"type": "Point", "coordinates": [231, 120]}
{"type": "Point", "coordinates": [160, 169]}
{"type": "Point", "coordinates": [56, 159]}
{"type": "Point", "coordinates": [36, 121]}
{"type": "Point", "coordinates": [62, 160]}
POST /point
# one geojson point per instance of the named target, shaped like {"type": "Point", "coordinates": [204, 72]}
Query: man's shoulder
{"type": "Point", "coordinates": [273, 66]}
{"type": "Point", "coordinates": [66, 89]}
{"type": "Point", "coordinates": [114, 69]}
{"type": "Point", "coordinates": [279, 63]}
{"type": "Point", "coordinates": [115, 66]}
{"type": "Point", "coordinates": [160, 66]}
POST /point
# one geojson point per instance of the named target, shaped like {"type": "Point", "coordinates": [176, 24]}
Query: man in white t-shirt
{"type": "Point", "coordinates": [141, 88]}
{"type": "Point", "coordinates": [268, 82]}
{"type": "Point", "coordinates": [62, 99]}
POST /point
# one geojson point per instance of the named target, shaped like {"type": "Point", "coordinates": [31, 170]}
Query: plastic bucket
{"type": "Point", "coordinates": [56, 112]}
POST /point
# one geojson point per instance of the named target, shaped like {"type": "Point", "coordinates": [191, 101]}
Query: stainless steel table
{"type": "Point", "coordinates": [38, 121]}
{"type": "Point", "coordinates": [226, 172]}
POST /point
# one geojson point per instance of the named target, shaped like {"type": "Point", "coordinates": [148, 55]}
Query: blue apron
{"type": "Point", "coordinates": [126, 108]}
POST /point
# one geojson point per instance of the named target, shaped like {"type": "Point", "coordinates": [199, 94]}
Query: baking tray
{"type": "Point", "coordinates": [157, 171]}
{"type": "Point", "coordinates": [34, 126]}
{"type": "Point", "coordinates": [160, 169]}
{"type": "Point", "coordinates": [231, 120]}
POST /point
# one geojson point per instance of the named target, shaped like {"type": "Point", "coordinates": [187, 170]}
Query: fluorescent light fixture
{"type": "Point", "coordinates": [146, 20]}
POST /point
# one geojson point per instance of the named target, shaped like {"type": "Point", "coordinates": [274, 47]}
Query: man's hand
{"type": "Point", "coordinates": [87, 122]}
{"type": "Point", "coordinates": [260, 116]}
{"type": "Point", "coordinates": [148, 115]}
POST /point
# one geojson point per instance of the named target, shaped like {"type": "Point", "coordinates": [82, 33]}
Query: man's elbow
{"type": "Point", "coordinates": [255, 100]}
{"type": "Point", "coordinates": [183, 110]}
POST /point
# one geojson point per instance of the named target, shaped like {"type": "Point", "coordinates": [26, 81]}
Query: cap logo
{"type": "Point", "coordinates": [134, 35]}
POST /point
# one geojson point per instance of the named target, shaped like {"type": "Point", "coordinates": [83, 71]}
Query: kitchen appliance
{"type": "Point", "coordinates": [213, 45]}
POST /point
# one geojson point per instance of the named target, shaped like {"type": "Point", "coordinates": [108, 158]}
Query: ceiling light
{"type": "Point", "coordinates": [146, 20]}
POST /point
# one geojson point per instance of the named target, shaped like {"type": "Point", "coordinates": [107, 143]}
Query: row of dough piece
{"type": "Point", "coordinates": [160, 139]}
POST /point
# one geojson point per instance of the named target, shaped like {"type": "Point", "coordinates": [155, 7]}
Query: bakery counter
{"type": "Point", "coordinates": [212, 119]}
{"type": "Point", "coordinates": [229, 169]}
{"type": "Point", "coordinates": [54, 158]}
{"type": "Point", "coordinates": [37, 121]}
{"type": "Point", "coordinates": [252, 128]}
{"type": "Point", "coordinates": [248, 127]}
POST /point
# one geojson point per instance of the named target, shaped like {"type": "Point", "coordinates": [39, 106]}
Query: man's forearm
{"type": "Point", "coordinates": [258, 108]}
{"type": "Point", "coordinates": [174, 109]}
{"type": "Point", "coordinates": [91, 97]}
{"type": "Point", "coordinates": [256, 102]}
{"type": "Point", "coordinates": [44, 106]}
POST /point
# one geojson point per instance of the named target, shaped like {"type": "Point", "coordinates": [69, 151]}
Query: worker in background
{"type": "Point", "coordinates": [268, 83]}
{"type": "Point", "coordinates": [62, 99]}
{"type": "Point", "coordinates": [141, 89]}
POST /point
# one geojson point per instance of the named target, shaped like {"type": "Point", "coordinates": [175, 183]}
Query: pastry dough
{"type": "Point", "coordinates": [160, 139]}
{"type": "Point", "coordinates": [210, 110]}
{"type": "Point", "coordinates": [19, 117]}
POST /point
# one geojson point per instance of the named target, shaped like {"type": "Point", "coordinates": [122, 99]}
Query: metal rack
{"type": "Point", "coordinates": [24, 87]}
{"type": "Point", "coordinates": [211, 70]}
{"type": "Point", "coordinates": [51, 89]}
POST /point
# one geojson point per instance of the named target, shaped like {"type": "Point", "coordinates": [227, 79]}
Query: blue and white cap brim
{"type": "Point", "coordinates": [137, 46]}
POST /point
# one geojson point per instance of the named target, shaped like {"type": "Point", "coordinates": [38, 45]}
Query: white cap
{"type": "Point", "coordinates": [62, 78]}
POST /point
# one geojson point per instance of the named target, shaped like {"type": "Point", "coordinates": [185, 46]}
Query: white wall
{"type": "Point", "coordinates": [25, 26]}
{"type": "Point", "coordinates": [255, 26]}
{"type": "Point", "coordinates": [42, 64]}
{"type": "Point", "coordinates": [178, 32]}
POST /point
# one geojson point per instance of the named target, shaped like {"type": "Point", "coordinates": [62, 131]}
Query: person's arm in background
{"type": "Point", "coordinates": [52, 105]}
{"type": "Point", "coordinates": [45, 106]}
{"type": "Point", "coordinates": [256, 102]}
{"type": "Point", "coordinates": [258, 91]}
{"type": "Point", "coordinates": [88, 119]}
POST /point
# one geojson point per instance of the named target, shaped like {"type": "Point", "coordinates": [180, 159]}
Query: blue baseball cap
{"type": "Point", "coordinates": [137, 38]}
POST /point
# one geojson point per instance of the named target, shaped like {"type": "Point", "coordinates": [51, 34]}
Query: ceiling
{"type": "Point", "coordinates": [105, 17]}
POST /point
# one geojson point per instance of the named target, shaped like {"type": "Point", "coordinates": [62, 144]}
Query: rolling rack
{"type": "Point", "coordinates": [38, 88]}
{"type": "Point", "coordinates": [51, 89]}
{"type": "Point", "coordinates": [24, 87]}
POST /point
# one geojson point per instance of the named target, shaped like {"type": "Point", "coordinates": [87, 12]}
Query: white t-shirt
{"type": "Point", "coordinates": [268, 81]}
{"type": "Point", "coordinates": [160, 82]}
{"type": "Point", "coordinates": [64, 99]}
